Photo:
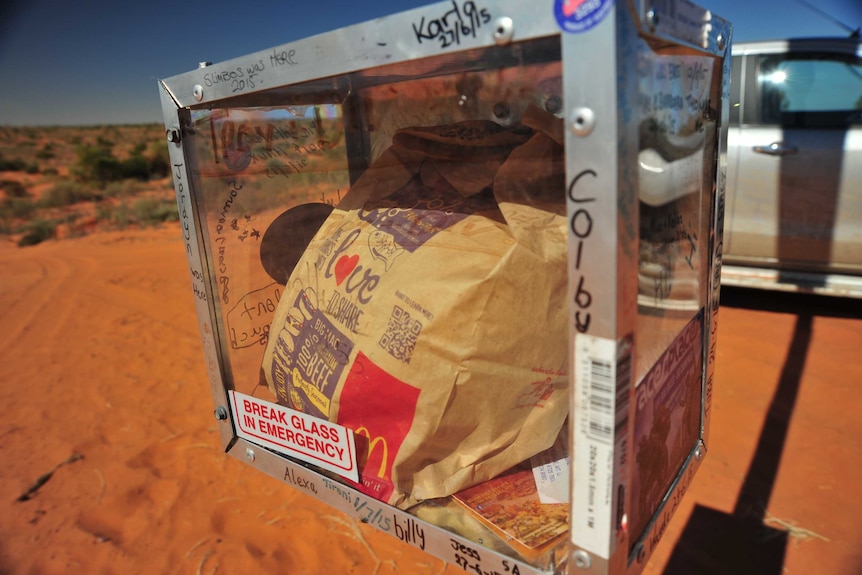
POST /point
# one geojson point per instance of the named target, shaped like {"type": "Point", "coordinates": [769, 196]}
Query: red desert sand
{"type": "Point", "coordinates": [111, 462]}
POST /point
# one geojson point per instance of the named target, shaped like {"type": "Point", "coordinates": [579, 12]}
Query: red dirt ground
{"type": "Point", "coordinates": [102, 382]}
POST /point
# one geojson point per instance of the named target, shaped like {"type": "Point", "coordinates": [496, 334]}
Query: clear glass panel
{"type": "Point", "coordinates": [389, 253]}
{"type": "Point", "coordinates": [251, 166]}
{"type": "Point", "coordinates": [677, 152]}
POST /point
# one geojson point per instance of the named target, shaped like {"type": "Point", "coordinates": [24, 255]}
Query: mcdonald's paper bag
{"type": "Point", "coordinates": [427, 312]}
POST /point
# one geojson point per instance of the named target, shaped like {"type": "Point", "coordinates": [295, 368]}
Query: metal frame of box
{"type": "Point", "coordinates": [601, 99]}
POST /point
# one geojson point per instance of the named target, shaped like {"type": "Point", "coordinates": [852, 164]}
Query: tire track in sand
{"type": "Point", "coordinates": [36, 299]}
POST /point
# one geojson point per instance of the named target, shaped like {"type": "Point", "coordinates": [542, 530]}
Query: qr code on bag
{"type": "Point", "coordinates": [401, 334]}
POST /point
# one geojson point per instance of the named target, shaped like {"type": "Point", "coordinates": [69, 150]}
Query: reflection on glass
{"type": "Point", "coordinates": [830, 86]}
{"type": "Point", "coordinates": [677, 138]}
{"type": "Point", "coordinates": [250, 166]}
{"type": "Point", "coordinates": [391, 257]}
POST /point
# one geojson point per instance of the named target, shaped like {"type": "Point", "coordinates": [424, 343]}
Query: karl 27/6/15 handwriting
{"type": "Point", "coordinates": [449, 29]}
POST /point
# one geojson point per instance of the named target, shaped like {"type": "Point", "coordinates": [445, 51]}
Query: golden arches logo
{"type": "Point", "coordinates": [372, 443]}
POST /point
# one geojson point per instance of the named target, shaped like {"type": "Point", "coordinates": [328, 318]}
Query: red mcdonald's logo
{"type": "Point", "coordinates": [372, 443]}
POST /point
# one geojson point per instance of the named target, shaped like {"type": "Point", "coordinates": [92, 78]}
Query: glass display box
{"type": "Point", "coordinates": [457, 269]}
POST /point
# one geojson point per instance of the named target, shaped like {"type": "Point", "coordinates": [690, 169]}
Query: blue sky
{"type": "Point", "coordinates": [97, 61]}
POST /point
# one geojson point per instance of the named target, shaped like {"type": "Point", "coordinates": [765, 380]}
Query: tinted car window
{"type": "Point", "coordinates": [735, 89]}
{"type": "Point", "coordinates": [810, 91]}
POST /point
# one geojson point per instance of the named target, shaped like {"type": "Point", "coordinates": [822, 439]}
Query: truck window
{"type": "Point", "coordinates": [735, 90]}
{"type": "Point", "coordinates": [810, 90]}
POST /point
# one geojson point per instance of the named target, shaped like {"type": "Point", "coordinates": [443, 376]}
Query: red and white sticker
{"type": "Point", "coordinates": [322, 443]}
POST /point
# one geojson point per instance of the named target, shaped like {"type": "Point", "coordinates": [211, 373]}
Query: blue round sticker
{"type": "Point", "coordinates": [581, 15]}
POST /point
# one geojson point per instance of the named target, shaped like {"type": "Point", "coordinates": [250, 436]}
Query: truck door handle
{"type": "Point", "coordinates": [776, 149]}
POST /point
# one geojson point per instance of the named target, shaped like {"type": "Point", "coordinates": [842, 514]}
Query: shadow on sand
{"type": "Point", "coordinates": [740, 543]}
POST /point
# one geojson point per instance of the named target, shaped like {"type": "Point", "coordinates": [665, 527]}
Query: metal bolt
{"type": "Point", "coordinates": [554, 104]}
{"type": "Point", "coordinates": [583, 121]}
{"type": "Point", "coordinates": [652, 19]}
{"type": "Point", "coordinates": [581, 559]}
{"type": "Point", "coordinates": [198, 92]}
{"type": "Point", "coordinates": [173, 135]}
{"type": "Point", "coordinates": [204, 64]}
{"type": "Point", "coordinates": [698, 452]}
{"type": "Point", "coordinates": [249, 454]}
{"type": "Point", "coordinates": [501, 110]}
{"type": "Point", "coordinates": [221, 413]}
{"type": "Point", "coordinates": [504, 28]}
{"type": "Point", "coordinates": [720, 41]}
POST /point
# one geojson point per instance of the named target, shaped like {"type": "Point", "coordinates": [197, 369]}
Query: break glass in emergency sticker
{"type": "Point", "coordinates": [581, 15]}
{"type": "Point", "coordinates": [322, 443]}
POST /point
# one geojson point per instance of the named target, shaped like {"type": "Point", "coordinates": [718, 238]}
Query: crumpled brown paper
{"type": "Point", "coordinates": [427, 314]}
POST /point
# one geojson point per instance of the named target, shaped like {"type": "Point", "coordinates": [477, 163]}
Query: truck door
{"type": "Point", "coordinates": [796, 187]}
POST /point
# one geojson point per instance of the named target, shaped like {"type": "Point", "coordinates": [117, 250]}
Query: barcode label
{"type": "Point", "coordinates": [595, 419]}
{"type": "Point", "coordinates": [601, 399]}
{"type": "Point", "coordinates": [608, 400]}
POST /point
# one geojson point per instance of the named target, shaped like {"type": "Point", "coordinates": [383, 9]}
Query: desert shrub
{"type": "Point", "coordinates": [37, 232]}
{"type": "Point", "coordinates": [117, 215]}
{"type": "Point", "coordinates": [150, 211]}
{"type": "Point", "coordinates": [12, 165]}
{"type": "Point", "coordinates": [121, 215]}
{"type": "Point", "coordinates": [135, 167]}
{"type": "Point", "coordinates": [104, 212]}
{"type": "Point", "coordinates": [31, 169]}
{"type": "Point", "coordinates": [46, 153]}
{"type": "Point", "coordinates": [158, 158]}
{"type": "Point", "coordinates": [13, 189]}
{"type": "Point", "coordinates": [66, 193]}
{"type": "Point", "coordinates": [98, 164]}
{"type": "Point", "coordinates": [50, 171]}
{"type": "Point", "coordinates": [17, 208]}
{"type": "Point", "coordinates": [122, 189]}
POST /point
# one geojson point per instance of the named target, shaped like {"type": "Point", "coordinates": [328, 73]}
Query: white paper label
{"type": "Point", "coordinates": [327, 445]}
{"type": "Point", "coordinates": [551, 472]}
{"type": "Point", "coordinates": [593, 434]}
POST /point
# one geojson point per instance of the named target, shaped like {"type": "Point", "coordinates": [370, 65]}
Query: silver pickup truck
{"type": "Point", "coordinates": [794, 180]}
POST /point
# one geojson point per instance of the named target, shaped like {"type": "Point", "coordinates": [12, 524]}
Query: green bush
{"type": "Point", "coordinates": [122, 189]}
{"type": "Point", "coordinates": [98, 164]}
{"type": "Point", "coordinates": [12, 165]}
{"type": "Point", "coordinates": [13, 189]}
{"type": "Point", "coordinates": [150, 211]}
{"type": "Point", "coordinates": [95, 163]}
{"type": "Point", "coordinates": [46, 153]}
{"type": "Point", "coordinates": [17, 208]}
{"type": "Point", "coordinates": [159, 159]}
{"type": "Point", "coordinates": [37, 232]}
{"type": "Point", "coordinates": [66, 193]}
{"type": "Point", "coordinates": [104, 212]}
